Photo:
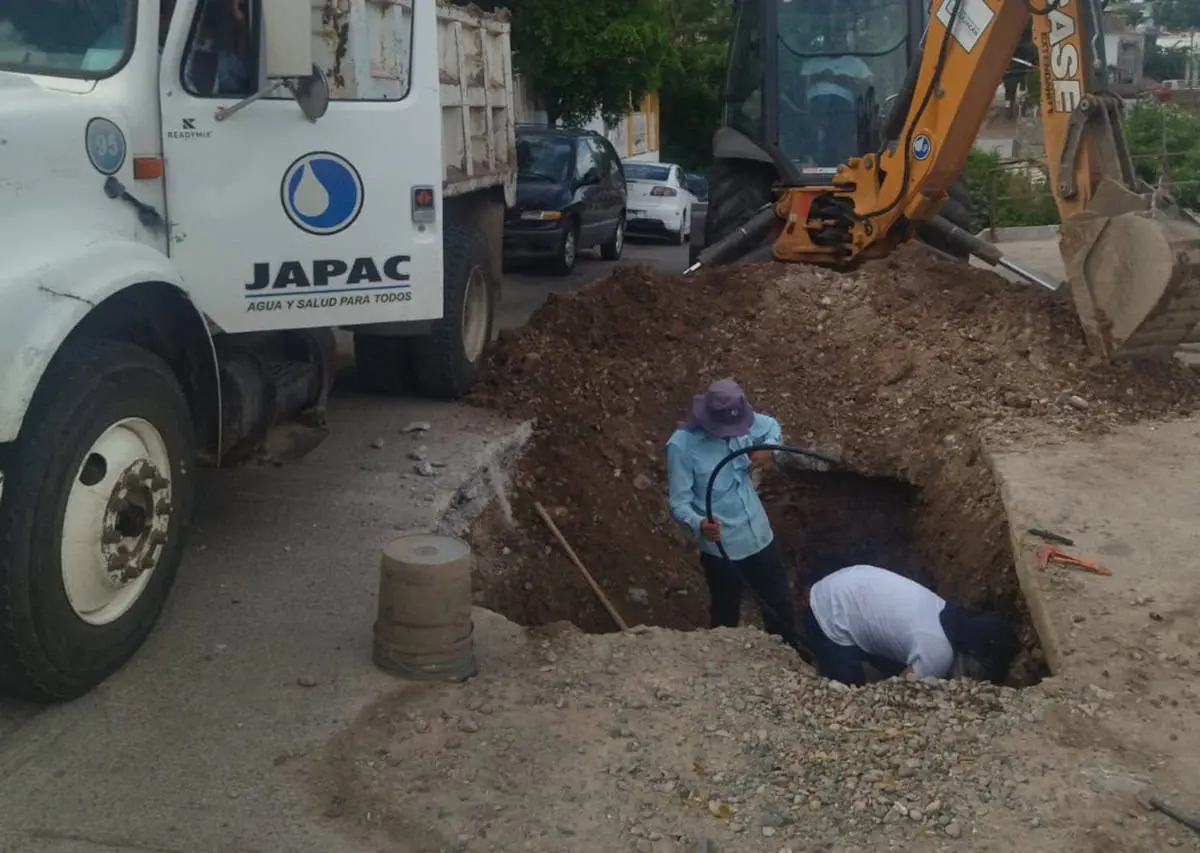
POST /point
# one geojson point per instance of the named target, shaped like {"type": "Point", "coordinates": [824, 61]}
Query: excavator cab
{"type": "Point", "coordinates": [809, 85]}
{"type": "Point", "coordinates": [1131, 255]}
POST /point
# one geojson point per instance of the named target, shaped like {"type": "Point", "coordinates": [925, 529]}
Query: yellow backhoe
{"type": "Point", "coordinates": [1132, 257]}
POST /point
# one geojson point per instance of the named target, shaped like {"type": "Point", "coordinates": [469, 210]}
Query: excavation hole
{"type": "Point", "coordinates": [951, 535]}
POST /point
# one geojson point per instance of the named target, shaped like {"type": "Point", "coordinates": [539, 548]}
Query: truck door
{"type": "Point", "coordinates": [279, 222]}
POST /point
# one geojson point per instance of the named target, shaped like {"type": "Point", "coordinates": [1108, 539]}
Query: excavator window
{"type": "Point", "coordinates": [837, 60]}
{"type": "Point", "coordinates": [743, 92]}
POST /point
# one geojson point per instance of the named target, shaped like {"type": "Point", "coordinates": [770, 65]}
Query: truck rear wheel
{"type": "Point", "coordinates": [96, 493]}
{"type": "Point", "coordinates": [446, 363]}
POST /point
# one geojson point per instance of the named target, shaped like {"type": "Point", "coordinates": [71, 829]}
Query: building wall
{"type": "Point", "coordinates": [637, 136]}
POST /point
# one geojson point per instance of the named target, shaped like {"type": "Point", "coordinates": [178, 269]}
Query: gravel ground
{"type": "Point", "coordinates": [719, 741]}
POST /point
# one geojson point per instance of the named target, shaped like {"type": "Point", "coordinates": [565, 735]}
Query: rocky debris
{"type": "Point", "coordinates": [712, 740]}
{"type": "Point", "coordinates": [897, 370]}
{"type": "Point", "coordinates": [416, 426]}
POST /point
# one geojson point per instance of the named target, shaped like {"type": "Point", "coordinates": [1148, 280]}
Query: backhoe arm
{"type": "Point", "coordinates": [1131, 257]}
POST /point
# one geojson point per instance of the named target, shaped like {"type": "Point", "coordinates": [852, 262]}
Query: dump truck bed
{"type": "Point", "coordinates": [363, 45]}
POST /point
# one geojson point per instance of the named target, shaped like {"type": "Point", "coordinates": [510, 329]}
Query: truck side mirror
{"type": "Point", "coordinates": [287, 38]}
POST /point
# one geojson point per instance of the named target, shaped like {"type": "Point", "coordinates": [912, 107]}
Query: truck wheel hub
{"type": "Point", "coordinates": [117, 521]}
{"type": "Point", "coordinates": [135, 522]}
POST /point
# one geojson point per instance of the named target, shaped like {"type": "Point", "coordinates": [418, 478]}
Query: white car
{"type": "Point", "coordinates": [659, 203]}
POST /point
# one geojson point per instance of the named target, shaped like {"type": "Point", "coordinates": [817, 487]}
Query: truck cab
{"type": "Point", "coordinates": [194, 194]}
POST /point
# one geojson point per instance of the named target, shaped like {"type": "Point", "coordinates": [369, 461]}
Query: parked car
{"type": "Point", "coordinates": [660, 204]}
{"type": "Point", "coordinates": [570, 196]}
{"type": "Point", "coordinates": [698, 186]}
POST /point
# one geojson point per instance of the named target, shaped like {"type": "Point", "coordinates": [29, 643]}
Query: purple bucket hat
{"type": "Point", "coordinates": [723, 411]}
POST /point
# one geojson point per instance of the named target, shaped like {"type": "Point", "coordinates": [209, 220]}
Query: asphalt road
{"type": "Point", "coordinates": [526, 290]}
{"type": "Point", "coordinates": [211, 739]}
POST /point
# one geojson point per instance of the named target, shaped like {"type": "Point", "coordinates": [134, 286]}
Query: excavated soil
{"type": "Point", "coordinates": [899, 369]}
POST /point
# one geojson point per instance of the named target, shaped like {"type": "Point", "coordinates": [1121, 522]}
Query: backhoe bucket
{"type": "Point", "coordinates": [1134, 274]}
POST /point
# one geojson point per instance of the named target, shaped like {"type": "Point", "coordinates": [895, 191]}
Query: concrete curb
{"type": "Point", "coordinates": [1020, 232]}
{"type": "Point", "coordinates": [487, 481]}
{"type": "Point", "coordinates": [1027, 569]}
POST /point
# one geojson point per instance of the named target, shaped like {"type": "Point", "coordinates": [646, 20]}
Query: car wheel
{"type": "Point", "coordinates": [680, 237]}
{"type": "Point", "coordinates": [611, 251]}
{"type": "Point", "coordinates": [98, 489]}
{"type": "Point", "coordinates": [568, 251]}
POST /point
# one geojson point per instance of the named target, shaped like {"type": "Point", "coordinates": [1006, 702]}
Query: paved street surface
{"type": "Point", "coordinates": [526, 290]}
{"type": "Point", "coordinates": [189, 749]}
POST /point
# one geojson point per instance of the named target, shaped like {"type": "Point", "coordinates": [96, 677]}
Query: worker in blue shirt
{"type": "Point", "coordinates": [720, 422]}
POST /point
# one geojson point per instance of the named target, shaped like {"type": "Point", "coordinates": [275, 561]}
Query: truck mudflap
{"type": "Point", "coordinates": [1133, 263]}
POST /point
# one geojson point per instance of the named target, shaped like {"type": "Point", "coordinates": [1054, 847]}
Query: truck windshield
{"type": "Point", "coordinates": [69, 38]}
{"type": "Point", "coordinates": [839, 60]}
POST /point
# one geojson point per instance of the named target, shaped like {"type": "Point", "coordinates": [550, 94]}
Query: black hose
{"type": "Point", "coordinates": [791, 637]}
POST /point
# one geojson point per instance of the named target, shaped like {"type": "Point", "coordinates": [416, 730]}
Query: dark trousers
{"type": "Point", "coordinates": [844, 663]}
{"type": "Point", "coordinates": [767, 576]}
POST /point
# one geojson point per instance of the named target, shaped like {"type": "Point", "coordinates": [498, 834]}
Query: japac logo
{"type": "Point", "coordinates": [322, 193]}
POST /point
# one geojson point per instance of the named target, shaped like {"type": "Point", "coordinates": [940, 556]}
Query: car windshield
{"type": "Point", "coordinates": [74, 38]}
{"type": "Point", "coordinates": [545, 158]}
{"type": "Point", "coordinates": [646, 172]}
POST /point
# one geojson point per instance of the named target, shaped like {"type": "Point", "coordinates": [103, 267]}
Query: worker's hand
{"type": "Point", "coordinates": [710, 530]}
{"type": "Point", "coordinates": [760, 459]}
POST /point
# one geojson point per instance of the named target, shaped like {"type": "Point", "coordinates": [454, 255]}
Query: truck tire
{"type": "Point", "coordinates": [736, 190]}
{"type": "Point", "coordinates": [446, 363]}
{"type": "Point", "coordinates": [97, 490]}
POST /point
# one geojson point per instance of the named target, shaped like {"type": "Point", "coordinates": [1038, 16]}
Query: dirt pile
{"type": "Point", "coordinates": [899, 368]}
{"type": "Point", "coordinates": [720, 741]}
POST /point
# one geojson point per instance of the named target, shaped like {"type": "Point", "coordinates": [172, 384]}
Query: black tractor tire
{"type": "Point", "coordinates": [612, 250]}
{"type": "Point", "coordinates": [736, 190]}
{"type": "Point", "coordinates": [48, 651]}
{"type": "Point", "coordinates": [446, 362]}
{"type": "Point", "coordinates": [960, 211]}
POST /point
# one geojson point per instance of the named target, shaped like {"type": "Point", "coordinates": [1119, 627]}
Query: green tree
{"type": "Point", "coordinates": [1010, 196]}
{"type": "Point", "coordinates": [1165, 63]}
{"type": "Point", "coordinates": [584, 57]}
{"type": "Point", "coordinates": [1164, 139]}
{"type": "Point", "coordinates": [1177, 14]}
{"type": "Point", "coordinates": [691, 80]}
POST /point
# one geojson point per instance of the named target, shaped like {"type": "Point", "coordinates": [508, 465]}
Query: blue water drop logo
{"type": "Point", "coordinates": [322, 193]}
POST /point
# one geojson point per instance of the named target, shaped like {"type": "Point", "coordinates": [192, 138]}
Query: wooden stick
{"type": "Point", "coordinates": [562, 540]}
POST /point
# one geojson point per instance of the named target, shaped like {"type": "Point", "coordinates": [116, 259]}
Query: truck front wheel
{"type": "Point", "coordinates": [446, 362]}
{"type": "Point", "coordinates": [96, 493]}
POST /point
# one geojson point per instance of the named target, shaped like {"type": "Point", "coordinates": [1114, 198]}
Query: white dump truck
{"type": "Point", "coordinates": [194, 194]}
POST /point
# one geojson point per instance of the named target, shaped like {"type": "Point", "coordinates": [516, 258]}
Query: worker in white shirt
{"type": "Point", "coordinates": [865, 615]}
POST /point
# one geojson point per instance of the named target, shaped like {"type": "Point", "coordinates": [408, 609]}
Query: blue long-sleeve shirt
{"type": "Point", "coordinates": [692, 454]}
